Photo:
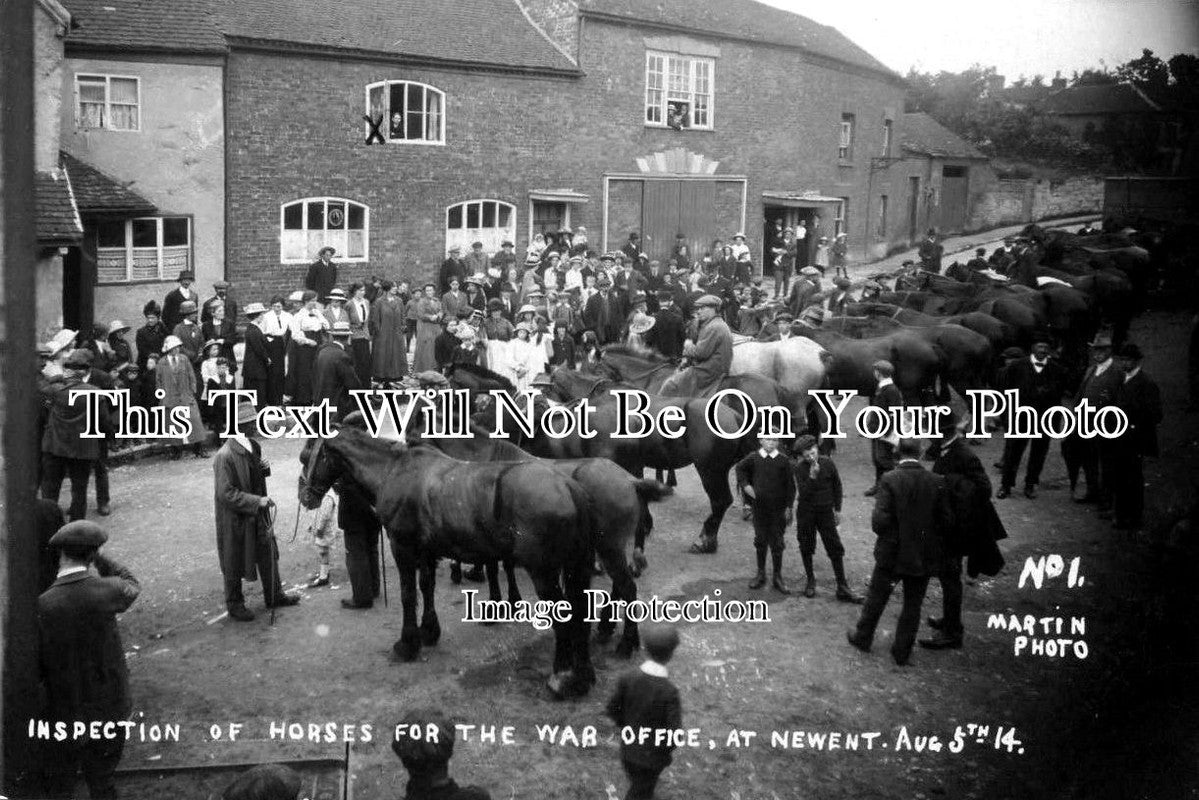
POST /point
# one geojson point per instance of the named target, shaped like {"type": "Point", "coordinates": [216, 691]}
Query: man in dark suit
{"type": "Point", "coordinates": [632, 249]}
{"type": "Point", "coordinates": [887, 395]}
{"type": "Point", "coordinates": [911, 517]}
{"type": "Point", "coordinates": [65, 452]}
{"type": "Point", "coordinates": [82, 659]}
{"type": "Point", "coordinates": [360, 527]}
{"type": "Point", "coordinates": [256, 363]}
{"type": "Point", "coordinates": [969, 491]}
{"type": "Point", "coordinates": [1098, 387]}
{"type": "Point", "coordinates": [1140, 399]}
{"type": "Point", "coordinates": [1040, 383]}
{"type": "Point", "coordinates": [333, 374]}
{"type": "Point", "coordinates": [930, 252]}
{"type": "Point", "coordinates": [322, 273]}
{"type": "Point", "coordinates": [670, 330]}
{"type": "Point", "coordinates": [605, 312]}
{"type": "Point", "coordinates": [176, 298]}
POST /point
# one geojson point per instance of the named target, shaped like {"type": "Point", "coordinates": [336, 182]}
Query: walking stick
{"type": "Point", "coordinates": [383, 565]}
{"type": "Point", "coordinates": [270, 514]}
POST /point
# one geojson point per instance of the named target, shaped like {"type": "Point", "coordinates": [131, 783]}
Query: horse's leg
{"type": "Point", "coordinates": [408, 645]}
{"type": "Point", "coordinates": [671, 480]}
{"type": "Point", "coordinates": [430, 627]}
{"type": "Point", "coordinates": [623, 588]}
{"type": "Point", "coordinates": [578, 581]}
{"type": "Point", "coordinates": [716, 484]}
{"type": "Point", "coordinates": [493, 581]}
{"type": "Point", "coordinates": [456, 572]}
{"type": "Point", "coordinates": [548, 588]}
{"type": "Point", "coordinates": [645, 525]}
{"type": "Point", "coordinates": [513, 589]}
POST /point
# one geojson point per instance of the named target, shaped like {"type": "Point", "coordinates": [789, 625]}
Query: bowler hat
{"type": "Point", "coordinates": [80, 533]}
{"type": "Point", "coordinates": [152, 307]}
{"type": "Point", "coordinates": [1101, 340]}
{"type": "Point", "coordinates": [186, 275]}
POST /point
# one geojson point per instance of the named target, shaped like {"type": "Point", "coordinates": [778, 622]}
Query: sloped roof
{"type": "Point", "coordinates": [156, 25]}
{"type": "Point", "coordinates": [1109, 98]}
{"type": "Point", "coordinates": [98, 193]}
{"type": "Point", "coordinates": [493, 32]}
{"type": "Point", "coordinates": [924, 135]}
{"type": "Point", "coordinates": [741, 19]}
{"type": "Point", "coordinates": [57, 220]}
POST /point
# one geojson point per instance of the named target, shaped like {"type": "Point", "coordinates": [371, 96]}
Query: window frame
{"type": "Point", "coordinates": [840, 217]}
{"type": "Point", "coordinates": [888, 135]}
{"type": "Point", "coordinates": [514, 222]}
{"type": "Point", "coordinates": [342, 257]}
{"type": "Point", "coordinates": [532, 207]}
{"type": "Point", "coordinates": [386, 86]}
{"type": "Point", "coordinates": [108, 79]}
{"type": "Point", "coordinates": [160, 247]}
{"type": "Point", "coordinates": [880, 233]}
{"type": "Point", "coordinates": [666, 93]}
{"type": "Point", "coordinates": [845, 151]}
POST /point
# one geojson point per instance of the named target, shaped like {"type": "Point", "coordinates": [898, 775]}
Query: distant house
{"type": "Point", "coordinates": [1085, 110]}
{"type": "Point", "coordinates": [944, 175]}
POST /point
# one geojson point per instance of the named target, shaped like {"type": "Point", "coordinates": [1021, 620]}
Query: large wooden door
{"type": "Point", "coordinates": [671, 207]}
{"type": "Point", "coordinates": [954, 197]}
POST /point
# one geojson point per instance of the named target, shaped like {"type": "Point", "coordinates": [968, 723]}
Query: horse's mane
{"type": "Point", "coordinates": [484, 374]}
{"type": "Point", "coordinates": [635, 351]}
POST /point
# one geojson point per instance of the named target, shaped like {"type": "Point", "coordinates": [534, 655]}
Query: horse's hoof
{"type": "Point", "coordinates": [639, 561]}
{"type": "Point", "coordinates": [703, 546]}
{"type": "Point", "coordinates": [407, 651]}
{"type": "Point", "coordinates": [557, 684]}
{"type": "Point", "coordinates": [430, 635]}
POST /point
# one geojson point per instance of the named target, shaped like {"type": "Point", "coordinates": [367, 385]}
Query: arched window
{"type": "Point", "coordinates": [307, 225]}
{"type": "Point", "coordinates": [410, 112]}
{"type": "Point", "coordinates": [488, 221]}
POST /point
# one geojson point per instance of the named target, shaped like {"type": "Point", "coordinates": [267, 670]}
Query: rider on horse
{"type": "Point", "coordinates": [710, 355]}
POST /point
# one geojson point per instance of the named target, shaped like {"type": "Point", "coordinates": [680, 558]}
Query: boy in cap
{"type": "Point", "coordinates": [766, 478]}
{"type": "Point", "coordinates": [818, 497]}
{"type": "Point", "coordinates": [645, 698]}
{"type": "Point", "coordinates": [82, 659]}
{"type": "Point", "coordinates": [424, 743]}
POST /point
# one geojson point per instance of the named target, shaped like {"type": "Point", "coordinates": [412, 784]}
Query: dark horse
{"type": "Point", "coordinates": [712, 454]}
{"type": "Point", "coordinates": [434, 506]}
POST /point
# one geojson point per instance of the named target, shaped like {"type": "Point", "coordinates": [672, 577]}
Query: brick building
{"type": "Point", "coordinates": [493, 119]}
{"type": "Point", "coordinates": [945, 177]}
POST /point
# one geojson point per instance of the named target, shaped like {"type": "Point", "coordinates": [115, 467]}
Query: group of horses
{"type": "Point", "coordinates": [555, 505]}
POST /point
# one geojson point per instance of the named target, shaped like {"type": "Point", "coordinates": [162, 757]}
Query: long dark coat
{"type": "Point", "coordinates": [977, 526]}
{"type": "Point", "coordinates": [333, 377]}
{"type": "Point", "coordinates": [239, 483]}
{"type": "Point", "coordinates": [179, 384]}
{"type": "Point", "coordinates": [911, 517]}
{"type": "Point", "coordinates": [82, 660]}
{"type": "Point", "coordinates": [388, 325]}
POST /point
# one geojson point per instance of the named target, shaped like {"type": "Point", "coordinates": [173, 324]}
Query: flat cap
{"type": "Point", "coordinates": [221, 285]}
{"type": "Point", "coordinates": [811, 272]}
{"type": "Point", "coordinates": [80, 533]}
{"type": "Point", "coordinates": [707, 300]}
{"type": "Point", "coordinates": [187, 307]}
{"type": "Point", "coordinates": [1013, 352]}
{"type": "Point", "coordinates": [431, 378]}
{"type": "Point", "coordinates": [841, 283]}
{"type": "Point", "coordinates": [883, 366]}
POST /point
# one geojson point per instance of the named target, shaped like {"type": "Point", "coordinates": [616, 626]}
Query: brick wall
{"type": "Point", "coordinates": [776, 122]}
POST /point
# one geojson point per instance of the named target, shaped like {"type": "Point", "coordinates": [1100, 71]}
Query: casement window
{"type": "Point", "coordinates": [110, 102]}
{"type": "Point", "coordinates": [488, 221]}
{"type": "Point", "coordinates": [406, 112]}
{"type": "Point", "coordinates": [305, 226]}
{"type": "Point", "coordinates": [143, 249]}
{"type": "Point", "coordinates": [678, 91]}
{"type": "Point", "coordinates": [886, 138]}
{"type": "Point", "coordinates": [881, 232]}
{"type": "Point", "coordinates": [845, 147]}
{"type": "Point", "coordinates": [841, 219]}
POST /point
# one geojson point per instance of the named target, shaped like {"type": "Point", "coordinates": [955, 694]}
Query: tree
{"type": "Point", "coordinates": [1092, 77]}
{"type": "Point", "coordinates": [1148, 72]}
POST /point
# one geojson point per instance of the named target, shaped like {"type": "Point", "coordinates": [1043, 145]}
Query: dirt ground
{"type": "Point", "coordinates": [1119, 723]}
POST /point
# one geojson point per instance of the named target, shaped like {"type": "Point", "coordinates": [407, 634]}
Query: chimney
{"type": "Point", "coordinates": [995, 85]}
{"type": "Point", "coordinates": [1058, 81]}
{"type": "Point", "coordinates": [557, 21]}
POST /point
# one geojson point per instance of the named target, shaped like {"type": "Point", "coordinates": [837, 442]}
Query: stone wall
{"type": "Point", "coordinates": [1014, 201]}
{"type": "Point", "coordinates": [1072, 196]}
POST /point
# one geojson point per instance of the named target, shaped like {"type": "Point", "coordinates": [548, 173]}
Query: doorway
{"type": "Point", "coordinates": [791, 216]}
{"type": "Point", "coordinates": [913, 209]}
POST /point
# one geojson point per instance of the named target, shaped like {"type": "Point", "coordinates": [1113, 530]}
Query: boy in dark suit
{"type": "Point", "coordinates": [765, 477]}
{"type": "Point", "coordinates": [911, 518]}
{"type": "Point", "coordinates": [818, 509]}
{"type": "Point", "coordinates": [645, 698]}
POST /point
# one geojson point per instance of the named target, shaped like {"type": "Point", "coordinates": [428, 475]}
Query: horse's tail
{"type": "Point", "coordinates": [585, 522]}
{"type": "Point", "coordinates": [651, 491]}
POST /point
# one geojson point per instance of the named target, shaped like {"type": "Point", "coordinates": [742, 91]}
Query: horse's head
{"type": "Point", "coordinates": [322, 469]}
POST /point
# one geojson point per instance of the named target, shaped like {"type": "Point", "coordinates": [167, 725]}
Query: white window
{"type": "Point", "coordinates": [405, 111]}
{"type": "Point", "coordinates": [887, 138]}
{"type": "Point", "coordinates": [678, 91]}
{"type": "Point", "coordinates": [112, 102]}
{"type": "Point", "coordinates": [143, 249]}
{"type": "Point", "coordinates": [839, 222]}
{"type": "Point", "coordinates": [845, 146]}
{"type": "Point", "coordinates": [305, 226]}
{"type": "Point", "coordinates": [488, 221]}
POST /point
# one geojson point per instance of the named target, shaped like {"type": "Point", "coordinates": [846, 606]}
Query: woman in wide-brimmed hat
{"type": "Point", "coordinates": [638, 327]}
{"type": "Point", "coordinates": [176, 377]}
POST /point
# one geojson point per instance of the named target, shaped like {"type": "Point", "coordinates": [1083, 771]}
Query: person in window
{"type": "Point", "coordinates": [389, 350]}
{"type": "Point", "coordinates": [219, 326]}
{"type": "Point", "coordinates": [477, 262]}
{"type": "Point", "coordinates": [453, 300]}
{"type": "Point", "coordinates": [396, 128]}
{"type": "Point", "coordinates": [149, 337]}
{"type": "Point", "coordinates": [176, 298]}
{"type": "Point", "coordinates": [676, 115]}
{"type": "Point", "coordinates": [428, 325]}
{"type": "Point", "coordinates": [322, 275]}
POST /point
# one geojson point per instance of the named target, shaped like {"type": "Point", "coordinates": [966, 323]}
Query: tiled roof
{"type": "Point", "coordinates": [96, 192]}
{"type": "Point", "coordinates": [924, 135]}
{"type": "Point", "coordinates": [493, 32]}
{"type": "Point", "coordinates": [741, 19]}
{"type": "Point", "coordinates": [57, 219]}
{"type": "Point", "coordinates": [1107, 98]}
{"type": "Point", "coordinates": [163, 25]}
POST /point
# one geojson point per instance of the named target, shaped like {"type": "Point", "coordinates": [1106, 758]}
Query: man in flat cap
{"type": "Point", "coordinates": [835, 303]}
{"type": "Point", "coordinates": [452, 267]}
{"type": "Point", "coordinates": [669, 332]}
{"type": "Point", "coordinates": [82, 659]}
{"type": "Point", "coordinates": [333, 375]}
{"type": "Point", "coordinates": [222, 296]}
{"type": "Point", "coordinates": [804, 290]}
{"type": "Point", "coordinates": [322, 273]}
{"type": "Point", "coordinates": [176, 297]}
{"type": "Point", "coordinates": [65, 452]}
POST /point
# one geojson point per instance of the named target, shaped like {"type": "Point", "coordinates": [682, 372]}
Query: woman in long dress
{"type": "Point", "coordinates": [428, 327]}
{"type": "Point", "coordinates": [389, 352]}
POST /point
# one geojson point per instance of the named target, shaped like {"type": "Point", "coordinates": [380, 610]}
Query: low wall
{"type": "Point", "coordinates": [1014, 201]}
